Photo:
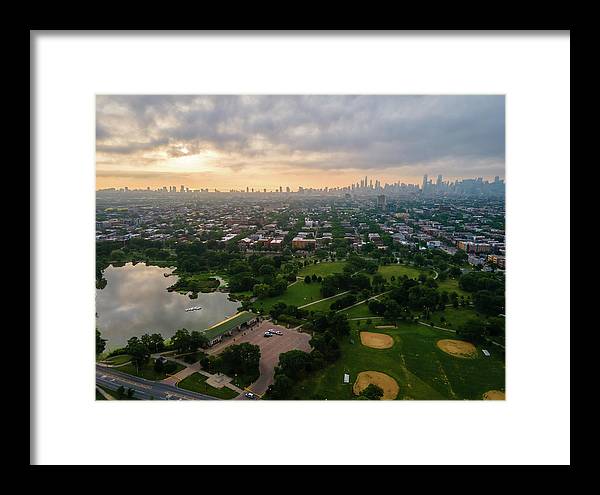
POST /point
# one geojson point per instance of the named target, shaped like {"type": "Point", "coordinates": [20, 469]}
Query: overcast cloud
{"type": "Point", "coordinates": [458, 136]}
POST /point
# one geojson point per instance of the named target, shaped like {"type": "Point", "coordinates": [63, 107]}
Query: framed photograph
{"type": "Point", "coordinates": [327, 239]}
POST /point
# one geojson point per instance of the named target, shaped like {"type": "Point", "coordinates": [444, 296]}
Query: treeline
{"type": "Point", "coordinates": [488, 291]}
{"type": "Point", "coordinates": [296, 365]}
{"type": "Point", "coordinates": [265, 276]}
{"type": "Point", "coordinates": [134, 250]}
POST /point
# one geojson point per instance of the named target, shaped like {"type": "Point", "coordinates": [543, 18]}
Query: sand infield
{"type": "Point", "coordinates": [457, 348]}
{"type": "Point", "coordinates": [376, 340]}
{"type": "Point", "coordinates": [494, 395]}
{"type": "Point", "coordinates": [385, 382]}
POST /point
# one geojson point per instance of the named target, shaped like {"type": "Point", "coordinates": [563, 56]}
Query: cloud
{"type": "Point", "coordinates": [454, 135]}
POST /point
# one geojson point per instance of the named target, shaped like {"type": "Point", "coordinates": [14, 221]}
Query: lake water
{"type": "Point", "coordinates": [135, 301]}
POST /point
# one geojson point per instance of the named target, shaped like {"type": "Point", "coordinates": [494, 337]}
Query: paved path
{"type": "Point", "coordinates": [106, 365]}
{"type": "Point", "coordinates": [180, 375]}
{"type": "Point", "coordinates": [439, 328]}
{"type": "Point", "coordinates": [364, 301]}
{"type": "Point", "coordinates": [325, 299]}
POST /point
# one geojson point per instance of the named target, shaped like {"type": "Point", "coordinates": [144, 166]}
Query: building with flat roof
{"type": "Point", "coordinates": [238, 321]}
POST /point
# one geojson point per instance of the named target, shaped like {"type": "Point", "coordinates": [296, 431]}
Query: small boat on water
{"type": "Point", "coordinates": [193, 308]}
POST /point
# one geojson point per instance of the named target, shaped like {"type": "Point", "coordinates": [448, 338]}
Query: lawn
{"type": "Point", "coordinates": [360, 311]}
{"type": "Point", "coordinates": [398, 271]}
{"type": "Point", "coordinates": [296, 295]}
{"type": "Point", "coordinates": [117, 360]}
{"type": "Point", "coordinates": [451, 285]}
{"type": "Point", "coordinates": [324, 305]}
{"type": "Point", "coordinates": [197, 383]}
{"type": "Point", "coordinates": [455, 318]}
{"type": "Point", "coordinates": [421, 369]}
{"type": "Point", "coordinates": [322, 269]}
{"type": "Point", "coordinates": [147, 371]}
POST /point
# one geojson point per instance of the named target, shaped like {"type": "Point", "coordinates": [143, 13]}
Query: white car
{"type": "Point", "coordinates": [278, 332]}
{"type": "Point", "coordinates": [268, 334]}
{"type": "Point", "coordinates": [250, 395]}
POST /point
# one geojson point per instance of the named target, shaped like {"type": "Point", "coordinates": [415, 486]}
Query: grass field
{"type": "Point", "coordinates": [360, 311]}
{"type": "Point", "coordinates": [116, 360]}
{"type": "Point", "coordinates": [323, 269]}
{"type": "Point", "coordinates": [147, 371]}
{"type": "Point", "coordinates": [451, 285]}
{"type": "Point", "coordinates": [422, 370]}
{"type": "Point", "coordinates": [398, 270]}
{"type": "Point", "coordinates": [297, 295]}
{"type": "Point", "coordinates": [455, 318]}
{"type": "Point", "coordinates": [197, 383]}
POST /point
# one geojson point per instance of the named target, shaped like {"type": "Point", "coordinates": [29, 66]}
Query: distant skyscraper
{"type": "Point", "coordinates": [439, 180]}
{"type": "Point", "coordinates": [182, 189]}
{"type": "Point", "coordinates": [424, 183]}
{"type": "Point", "coordinates": [381, 201]}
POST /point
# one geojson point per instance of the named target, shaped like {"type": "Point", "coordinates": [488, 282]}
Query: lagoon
{"type": "Point", "coordinates": [135, 301]}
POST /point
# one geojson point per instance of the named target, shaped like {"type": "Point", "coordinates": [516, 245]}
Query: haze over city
{"type": "Point", "coordinates": [239, 142]}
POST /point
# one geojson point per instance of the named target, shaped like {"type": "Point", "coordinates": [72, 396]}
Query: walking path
{"type": "Point", "coordinates": [325, 299]}
{"type": "Point", "coordinates": [361, 302]}
{"type": "Point", "coordinates": [106, 365]}
{"type": "Point", "coordinates": [439, 328]}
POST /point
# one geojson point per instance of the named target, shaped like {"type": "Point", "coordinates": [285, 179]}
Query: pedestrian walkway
{"type": "Point", "coordinates": [321, 300]}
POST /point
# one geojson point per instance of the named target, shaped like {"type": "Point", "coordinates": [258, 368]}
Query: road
{"type": "Point", "coordinates": [144, 389]}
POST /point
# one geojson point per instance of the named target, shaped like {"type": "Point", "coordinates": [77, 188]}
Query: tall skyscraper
{"type": "Point", "coordinates": [424, 183]}
{"type": "Point", "coordinates": [439, 180]}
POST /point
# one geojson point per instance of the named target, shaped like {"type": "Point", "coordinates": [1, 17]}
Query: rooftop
{"type": "Point", "coordinates": [228, 324]}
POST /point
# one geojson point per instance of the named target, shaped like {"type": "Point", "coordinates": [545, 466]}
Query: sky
{"type": "Point", "coordinates": [234, 142]}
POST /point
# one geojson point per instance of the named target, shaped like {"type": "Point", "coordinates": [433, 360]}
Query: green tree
{"type": "Point", "coordinates": [100, 343]}
{"type": "Point", "coordinates": [182, 340]}
{"type": "Point", "coordinates": [140, 354]}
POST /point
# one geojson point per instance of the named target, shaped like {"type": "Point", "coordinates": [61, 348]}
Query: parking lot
{"type": "Point", "coordinates": [270, 348]}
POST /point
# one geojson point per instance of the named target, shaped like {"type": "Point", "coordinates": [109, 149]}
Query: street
{"type": "Point", "coordinates": [144, 389]}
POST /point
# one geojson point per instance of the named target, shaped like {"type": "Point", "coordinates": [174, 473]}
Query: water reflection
{"type": "Point", "coordinates": [135, 301]}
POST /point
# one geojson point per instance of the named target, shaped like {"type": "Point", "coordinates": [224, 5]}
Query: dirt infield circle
{"type": "Point", "coordinates": [376, 340]}
{"type": "Point", "coordinates": [494, 395]}
{"type": "Point", "coordinates": [385, 382]}
{"type": "Point", "coordinates": [457, 348]}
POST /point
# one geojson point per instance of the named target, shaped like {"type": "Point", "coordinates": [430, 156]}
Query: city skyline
{"type": "Point", "coordinates": [234, 142]}
{"type": "Point", "coordinates": [441, 184]}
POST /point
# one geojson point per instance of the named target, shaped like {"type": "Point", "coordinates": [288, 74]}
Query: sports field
{"type": "Point", "coordinates": [422, 369]}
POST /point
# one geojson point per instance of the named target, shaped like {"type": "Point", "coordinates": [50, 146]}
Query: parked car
{"type": "Point", "coordinates": [278, 332]}
{"type": "Point", "coordinates": [250, 395]}
{"type": "Point", "coordinates": [268, 334]}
